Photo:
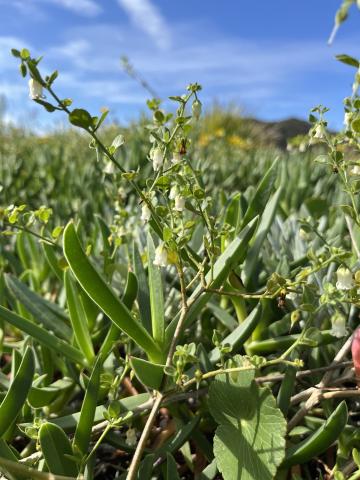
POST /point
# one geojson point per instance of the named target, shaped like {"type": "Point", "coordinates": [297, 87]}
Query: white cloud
{"type": "Point", "coordinates": [35, 8]}
{"type": "Point", "coordinates": [83, 7]}
{"type": "Point", "coordinates": [74, 49]}
{"type": "Point", "coordinates": [148, 18]}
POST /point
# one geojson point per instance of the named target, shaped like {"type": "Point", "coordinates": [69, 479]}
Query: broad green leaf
{"type": "Point", "coordinates": [209, 472]}
{"type": "Point", "coordinates": [42, 336]}
{"type": "Point", "coordinates": [78, 318]}
{"type": "Point", "coordinates": [80, 118]}
{"type": "Point", "coordinates": [82, 435]}
{"type": "Point", "coordinates": [56, 447]}
{"type": "Point", "coordinates": [42, 310]}
{"type": "Point", "coordinates": [143, 291]}
{"type": "Point", "coordinates": [249, 442]}
{"type": "Point", "coordinates": [149, 374]}
{"type": "Point", "coordinates": [103, 295]}
{"type": "Point", "coordinates": [228, 260]}
{"type": "Point", "coordinates": [262, 194]}
{"type": "Point", "coordinates": [18, 391]}
{"type": "Point", "coordinates": [156, 295]}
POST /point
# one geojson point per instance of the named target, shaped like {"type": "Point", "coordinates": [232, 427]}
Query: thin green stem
{"type": "Point", "coordinates": [31, 232]}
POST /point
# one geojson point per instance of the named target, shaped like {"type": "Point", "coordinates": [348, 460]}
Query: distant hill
{"type": "Point", "coordinates": [282, 130]}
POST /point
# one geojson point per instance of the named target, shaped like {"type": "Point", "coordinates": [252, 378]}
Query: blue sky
{"type": "Point", "coordinates": [270, 58]}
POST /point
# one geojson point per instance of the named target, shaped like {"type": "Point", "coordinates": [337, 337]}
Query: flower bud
{"type": "Point", "coordinates": [35, 89]}
{"type": "Point", "coordinates": [196, 109]}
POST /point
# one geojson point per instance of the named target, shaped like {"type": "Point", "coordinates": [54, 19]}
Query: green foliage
{"type": "Point", "coordinates": [151, 285]}
{"type": "Point", "coordinates": [249, 441]}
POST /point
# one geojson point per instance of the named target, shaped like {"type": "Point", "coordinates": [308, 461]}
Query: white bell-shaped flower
{"type": "Point", "coordinates": [131, 437]}
{"type": "Point", "coordinates": [145, 213]}
{"type": "Point", "coordinates": [35, 89]}
{"type": "Point", "coordinates": [161, 256]}
{"type": "Point", "coordinates": [179, 203]}
{"type": "Point", "coordinates": [347, 119]}
{"type": "Point", "coordinates": [173, 193]}
{"type": "Point", "coordinates": [319, 132]}
{"type": "Point", "coordinates": [157, 158]}
{"type": "Point", "coordinates": [344, 279]}
{"type": "Point", "coordinates": [338, 326]}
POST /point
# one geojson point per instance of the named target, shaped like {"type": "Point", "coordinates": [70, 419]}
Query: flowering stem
{"type": "Point", "coordinates": [159, 396]}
